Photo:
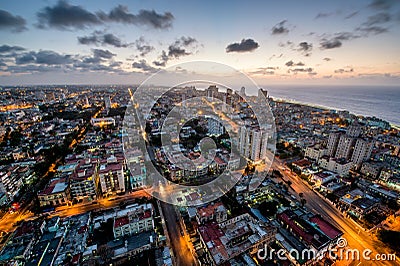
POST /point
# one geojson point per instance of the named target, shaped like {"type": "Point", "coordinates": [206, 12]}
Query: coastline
{"type": "Point", "coordinates": [392, 125]}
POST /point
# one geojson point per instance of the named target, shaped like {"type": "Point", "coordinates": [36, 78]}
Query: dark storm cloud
{"type": "Point", "coordinates": [144, 66]}
{"type": "Point", "coordinates": [10, 49]}
{"type": "Point", "coordinates": [280, 28]}
{"type": "Point", "coordinates": [44, 57]}
{"type": "Point", "coordinates": [101, 38]}
{"type": "Point", "coordinates": [148, 18]}
{"type": "Point", "coordinates": [66, 16]}
{"type": "Point", "coordinates": [10, 22]}
{"type": "Point", "coordinates": [143, 47]}
{"type": "Point", "coordinates": [245, 45]}
{"type": "Point", "coordinates": [291, 63]}
{"type": "Point", "coordinates": [182, 47]}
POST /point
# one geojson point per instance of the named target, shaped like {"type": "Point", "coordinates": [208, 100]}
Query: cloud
{"type": "Point", "coordinates": [305, 48]}
{"type": "Point", "coordinates": [181, 47]}
{"type": "Point", "coordinates": [29, 69]}
{"type": "Point", "coordinates": [344, 70]}
{"type": "Point", "coordinates": [275, 56]}
{"type": "Point", "coordinates": [382, 4]}
{"type": "Point", "coordinates": [144, 66]}
{"type": "Point", "coordinates": [264, 71]}
{"type": "Point", "coordinates": [336, 40]}
{"type": "Point", "coordinates": [10, 22]}
{"type": "Point", "coordinates": [106, 54]}
{"type": "Point", "coordinates": [44, 57]}
{"type": "Point", "coordinates": [327, 59]}
{"type": "Point", "coordinates": [101, 38]}
{"type": "Point", "coordinates": [351, 15]}
{"type": "Point", "coordinates": [330, 44]}
{"type": "Point", "coordinates": [374, 25]}
{"type": "Point", "coordinates": [280, 28]}
{"type": "Point", "coordinates": [323, 15]}
{"type": "Point", "coordinates": [148, 18]}
{"type": "Point", "coordinates": [291, 63]}
{"type": "Point", "coordinates": [245, 45]}
{"type": "Point", "coordinates": [65, 16]}
{"type": "Point", "coordinates": [143, 47]}
{"type": "Point", "coordinates": [296, 70]}
{"type": "Point", "coordinates": [9, 49]}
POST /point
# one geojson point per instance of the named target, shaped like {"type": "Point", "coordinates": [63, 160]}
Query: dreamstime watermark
{"type": "Point", "coordinates": [157, 116]}
{"type": "Point", "coordinates": [340, 251]}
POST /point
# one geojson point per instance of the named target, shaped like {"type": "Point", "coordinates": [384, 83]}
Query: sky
{"type": "Point", "coordinates": [274, 42]}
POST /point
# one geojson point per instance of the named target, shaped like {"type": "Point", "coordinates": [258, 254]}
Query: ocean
{"type": "Point", "coordinates": [382, 102]}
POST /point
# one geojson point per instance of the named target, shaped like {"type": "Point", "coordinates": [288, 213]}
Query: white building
{"type": "Point", "coordinates": [111, 176]}
{"type": "Point", "coordinates": [315, 152]}
{"type": "Point", "coordinates": [362, 151]}
{"type": "Point", "coordinates": [253, 143]}
{"type": "Point", "coordinates": [345, 147]}
{"type": "Point", "coordinates": [133, 220]}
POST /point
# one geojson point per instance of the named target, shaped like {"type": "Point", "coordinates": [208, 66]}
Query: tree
{"type": "Point", "coordinates": [105, 253]}
{"type": "Point", "coordinates": [268, 208]}
{"type": "Point", "coordinates": [303, 202]}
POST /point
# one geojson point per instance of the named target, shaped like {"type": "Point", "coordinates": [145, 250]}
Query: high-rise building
{"type": "Point", "coordinates": [107, 102]}
{"type": "Point", "coordinates": [212, 91]}
{"type": "Point", "coordinates": [228, 99]}
{"type": "Point", "coordinates": [262, 92]}
{"type": "Point", "coordinates": [253, 143]}
{"type": "Point", "coordinates": [242, 91]}
{"type": "Point", "coordinates": [354, 130]}
{"type": "Point", "coordinates": [362, 151]}
{"type": "Point", "coordinates": [345, 147]}
{"type": "Point", "coordinates": [215, 128]}
{"type": "Point", "coordinates": [333, 143]}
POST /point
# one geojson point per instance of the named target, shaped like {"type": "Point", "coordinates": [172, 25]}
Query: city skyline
{"type": "Point", "coordinates": [107, 42]}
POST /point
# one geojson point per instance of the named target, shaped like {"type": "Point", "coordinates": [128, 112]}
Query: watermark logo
{"type": "Point", "coordinates": [166, 114]}
{"type": "Point", "coordinates": [338, 251]}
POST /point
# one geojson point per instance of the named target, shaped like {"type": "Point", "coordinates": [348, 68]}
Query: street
{"type": "Point", "coordinates": [179, 244]}
{"type": "Point", "coordinates": [356, 236]}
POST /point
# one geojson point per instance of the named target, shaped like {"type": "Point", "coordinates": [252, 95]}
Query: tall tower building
{"type": "Point", "coordinates": [354, 130]}
{"type": "Point", "coordinates": [107, 102]}
{"type": "Point", "coordinates": [362, 151]}
{"type": "Point", "coordinates": [333, 143]}
{"type": "Point", "coordinates": [253, 143]}
{"type": "Point", "coordinates": [228, 96]}
{"type": "Point", "coordinates": [345, 147]}
{"type": "Point", "coordinates": [242, 91]}
{"type": "Point", "coordinates": [262, 92]}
